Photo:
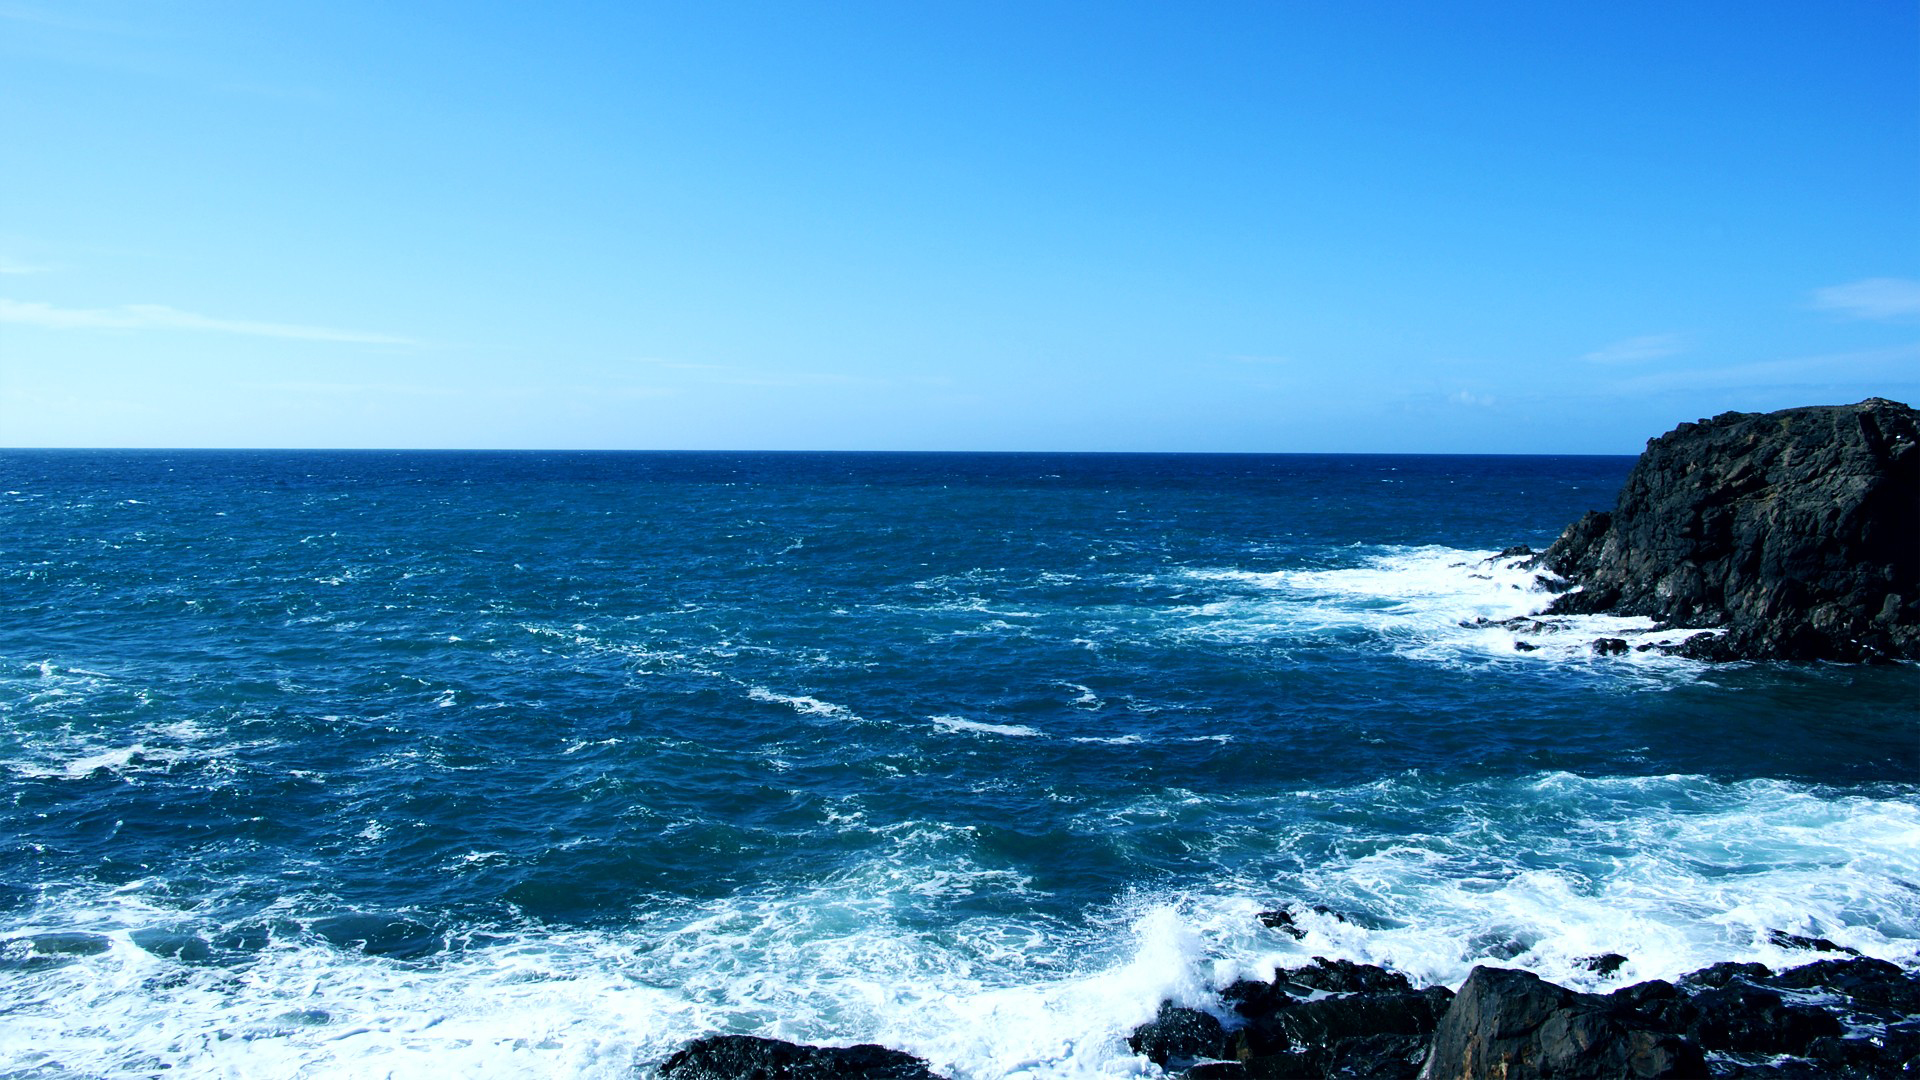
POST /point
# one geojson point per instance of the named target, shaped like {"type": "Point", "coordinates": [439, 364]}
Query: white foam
{"type": "Point", "coordinates": [1429, 603]}
{"type": "Point", "coordinates": [803, 704]}
{"type": "Point", "coordinates": [1675, 872]}
{"type": "Point", "coordinates": [976, 727]}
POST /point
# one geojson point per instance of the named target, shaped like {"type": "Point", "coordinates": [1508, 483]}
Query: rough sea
{"type": "Point", "coordinates": [541, 764]}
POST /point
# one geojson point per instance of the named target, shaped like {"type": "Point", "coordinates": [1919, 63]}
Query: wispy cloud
{"type": "Point", "coordinates": [161, 317]}
{"type": "Point", "coordinates": [1471, 399]}
{"type": "Point", "coordinates": [15, 266]}
{"type": "Point", "coordinates": [1636, 350]}
{"type": "Point", "coordinates": [1873, 298]}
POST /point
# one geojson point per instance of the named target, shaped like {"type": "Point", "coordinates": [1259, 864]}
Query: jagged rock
{"type": "Point", "coordinates": [1869, 983]}
{"type": "Point", "coordinates": [1723, 974]}
{"type": "Point", "coordinates": [1344, 977]}
{"type": "Point", "coordinates": [1513, 1025]}
{"type": "Point", "coordinates": [1604, 964]}
{"type": "Point", "coordinates": [1792, 531]}
{"type": "Point", "coordinates": [1893, 1053]}
{"type": "Point", "coordinates": [1522, 646]}
{"type": "Point", "coordinates": [1609, 646]}
{"type": "Point", "coordinates": [1283, 921]}
{"type": "Point", "coordinates": [1286, 919]}
{"type": "Point", "coordinates": [1372, 1057]}
{"type": "Point", "coordinates": [746, 1057]}
{"type": "Point", "coordinates": [1748, 1019]}
{"type": "Point", "coordinates": [1178, 1035]}
{"type": "Point", "coordinates": [1783, 940]}
{"type": "Point", "coordinates": [1318, 1024]}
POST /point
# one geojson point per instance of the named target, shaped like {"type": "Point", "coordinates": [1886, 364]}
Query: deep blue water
{"type": "Point", "coordinates": [542, 763]}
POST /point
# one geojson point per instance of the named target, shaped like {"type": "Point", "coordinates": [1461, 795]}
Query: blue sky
{"type": "Point", "coordinates": [1396, 227]}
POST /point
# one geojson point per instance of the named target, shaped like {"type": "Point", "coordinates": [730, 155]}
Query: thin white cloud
{"type": "Point", "coordinates": [1636, 350]}
{"type": "Point", "coordinates": [1468, 398]}
{"type": "Point", "coordinates": [161, 317]}
{"type": "Point", "coordinates": [1873, 298]}
{"type": "Point", "coordinates": [15, 266]}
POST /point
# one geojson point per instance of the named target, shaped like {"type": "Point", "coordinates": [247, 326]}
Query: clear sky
{"type": "Point", "coordinates": [1453, 227]}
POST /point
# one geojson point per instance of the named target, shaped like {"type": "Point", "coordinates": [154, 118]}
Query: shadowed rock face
{"type": "Point", "coordinates": [1797, 532]}
{"type": "Point", "coordinates": [1509, 1024]}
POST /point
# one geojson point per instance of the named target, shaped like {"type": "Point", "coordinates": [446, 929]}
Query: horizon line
{"type": "Point", "coordinates": [790, 451]}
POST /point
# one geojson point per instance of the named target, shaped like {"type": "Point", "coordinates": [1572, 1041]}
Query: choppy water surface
{"type": "Point", "coordinates": [503, 764]}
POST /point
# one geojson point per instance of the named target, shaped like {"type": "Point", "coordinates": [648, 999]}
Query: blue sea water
{"type": "Point", "coordinates": [509, 764]}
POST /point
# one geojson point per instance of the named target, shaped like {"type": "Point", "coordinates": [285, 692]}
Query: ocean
{"type": "Point", "coordinates": [542, 764]}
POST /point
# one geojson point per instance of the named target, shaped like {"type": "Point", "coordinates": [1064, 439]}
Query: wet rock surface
{"type": "Point", "coordinates": [1790, 532]}
{"type": "Point", "coordinates": [745, 1057]}
{"type": "Point", "coordinates": [1846, 1018]}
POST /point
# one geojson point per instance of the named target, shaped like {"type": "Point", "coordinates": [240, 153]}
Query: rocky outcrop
{"type": "Point", "coordinates": [745, 1057]}
{"type": "Point", "coordinates": [1510, 1024]}
{"type": "Point", "coordinates": [1834, 1018]}
{"type": "Point", "coordinates": [1794, 533]}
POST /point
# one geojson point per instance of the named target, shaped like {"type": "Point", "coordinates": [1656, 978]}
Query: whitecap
{"type": "Point", "coordinates": [803, 704]}
{"type": "Point", "coordinates": [976, 727]}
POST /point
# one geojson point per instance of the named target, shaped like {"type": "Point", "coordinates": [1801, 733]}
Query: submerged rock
{"type": "Point", "coordinates": [747, 1057]}
{"type": "Point", "coordinates": [1791, 532]}
{"type": "Point", "coordinates": [1782, 939]}
{"type": "Point", "coordinates": [1603, 964]}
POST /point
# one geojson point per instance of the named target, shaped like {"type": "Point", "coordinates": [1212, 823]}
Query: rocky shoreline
{"type": "Point", "coordinates": [1793, 535]}
{"type": "Point", "coordinates": [1844, 1017]}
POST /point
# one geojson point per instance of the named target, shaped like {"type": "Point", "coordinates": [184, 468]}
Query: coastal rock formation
{"type": "Point", "coordinates": [1795, 533]}
{"type": "Point", "coordinates": [1508, 1024]}
{"type": "Point", "coordinates": [1833, 1018]}
{"type": "Point", "coordinates": [745, 1057]}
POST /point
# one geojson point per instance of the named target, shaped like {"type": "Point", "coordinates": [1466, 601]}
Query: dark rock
{"type": "Point", "coordinates": [1609, 646]}
{"type": "Point", "coordinates": [1749, 1019]}
{"type": "Point", "coordinates": [1256, 999]}
{"type": "Point", "coordinates": [1724, 973]}
{"type": "Point", "coordinates": [1864, 981]}
{"type": "Point", "coordinates": [1314, 1027]}
{"type": "Point", "coordinates": [1287, 919]}
{"type": "Point", "coordinates": [1783, 940]}
{"type": "Point", "coordinates": [1896, 1052]}
{"type": "Point", "coordinates": [1604, 964]}
{"type": "Point", "coordinates": [1282, 920]}
{"type": "Point", "coordinates": [1344, 977]}
{"type": "Point", "coordinates": [745, 1057]}
{"type": "Point", "coordinates": [1372, 1057]}
{"type": "Point", "coordinates": [1513, 1025]}
{"type": "Point", "coordinates": [1792, 532]}
{"type": "Point", "coordinates": [1522, 646]}
{"type": "Point", "coordinates": [1176, 1035]}
{"type": "Point", "coordinates": [1516, 551]}
{"type": "Point", "coordinates": [1216, 1070]}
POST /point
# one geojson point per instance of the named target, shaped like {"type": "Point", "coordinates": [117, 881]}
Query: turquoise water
{"type": "Point", "coordinates": [510, 764]}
